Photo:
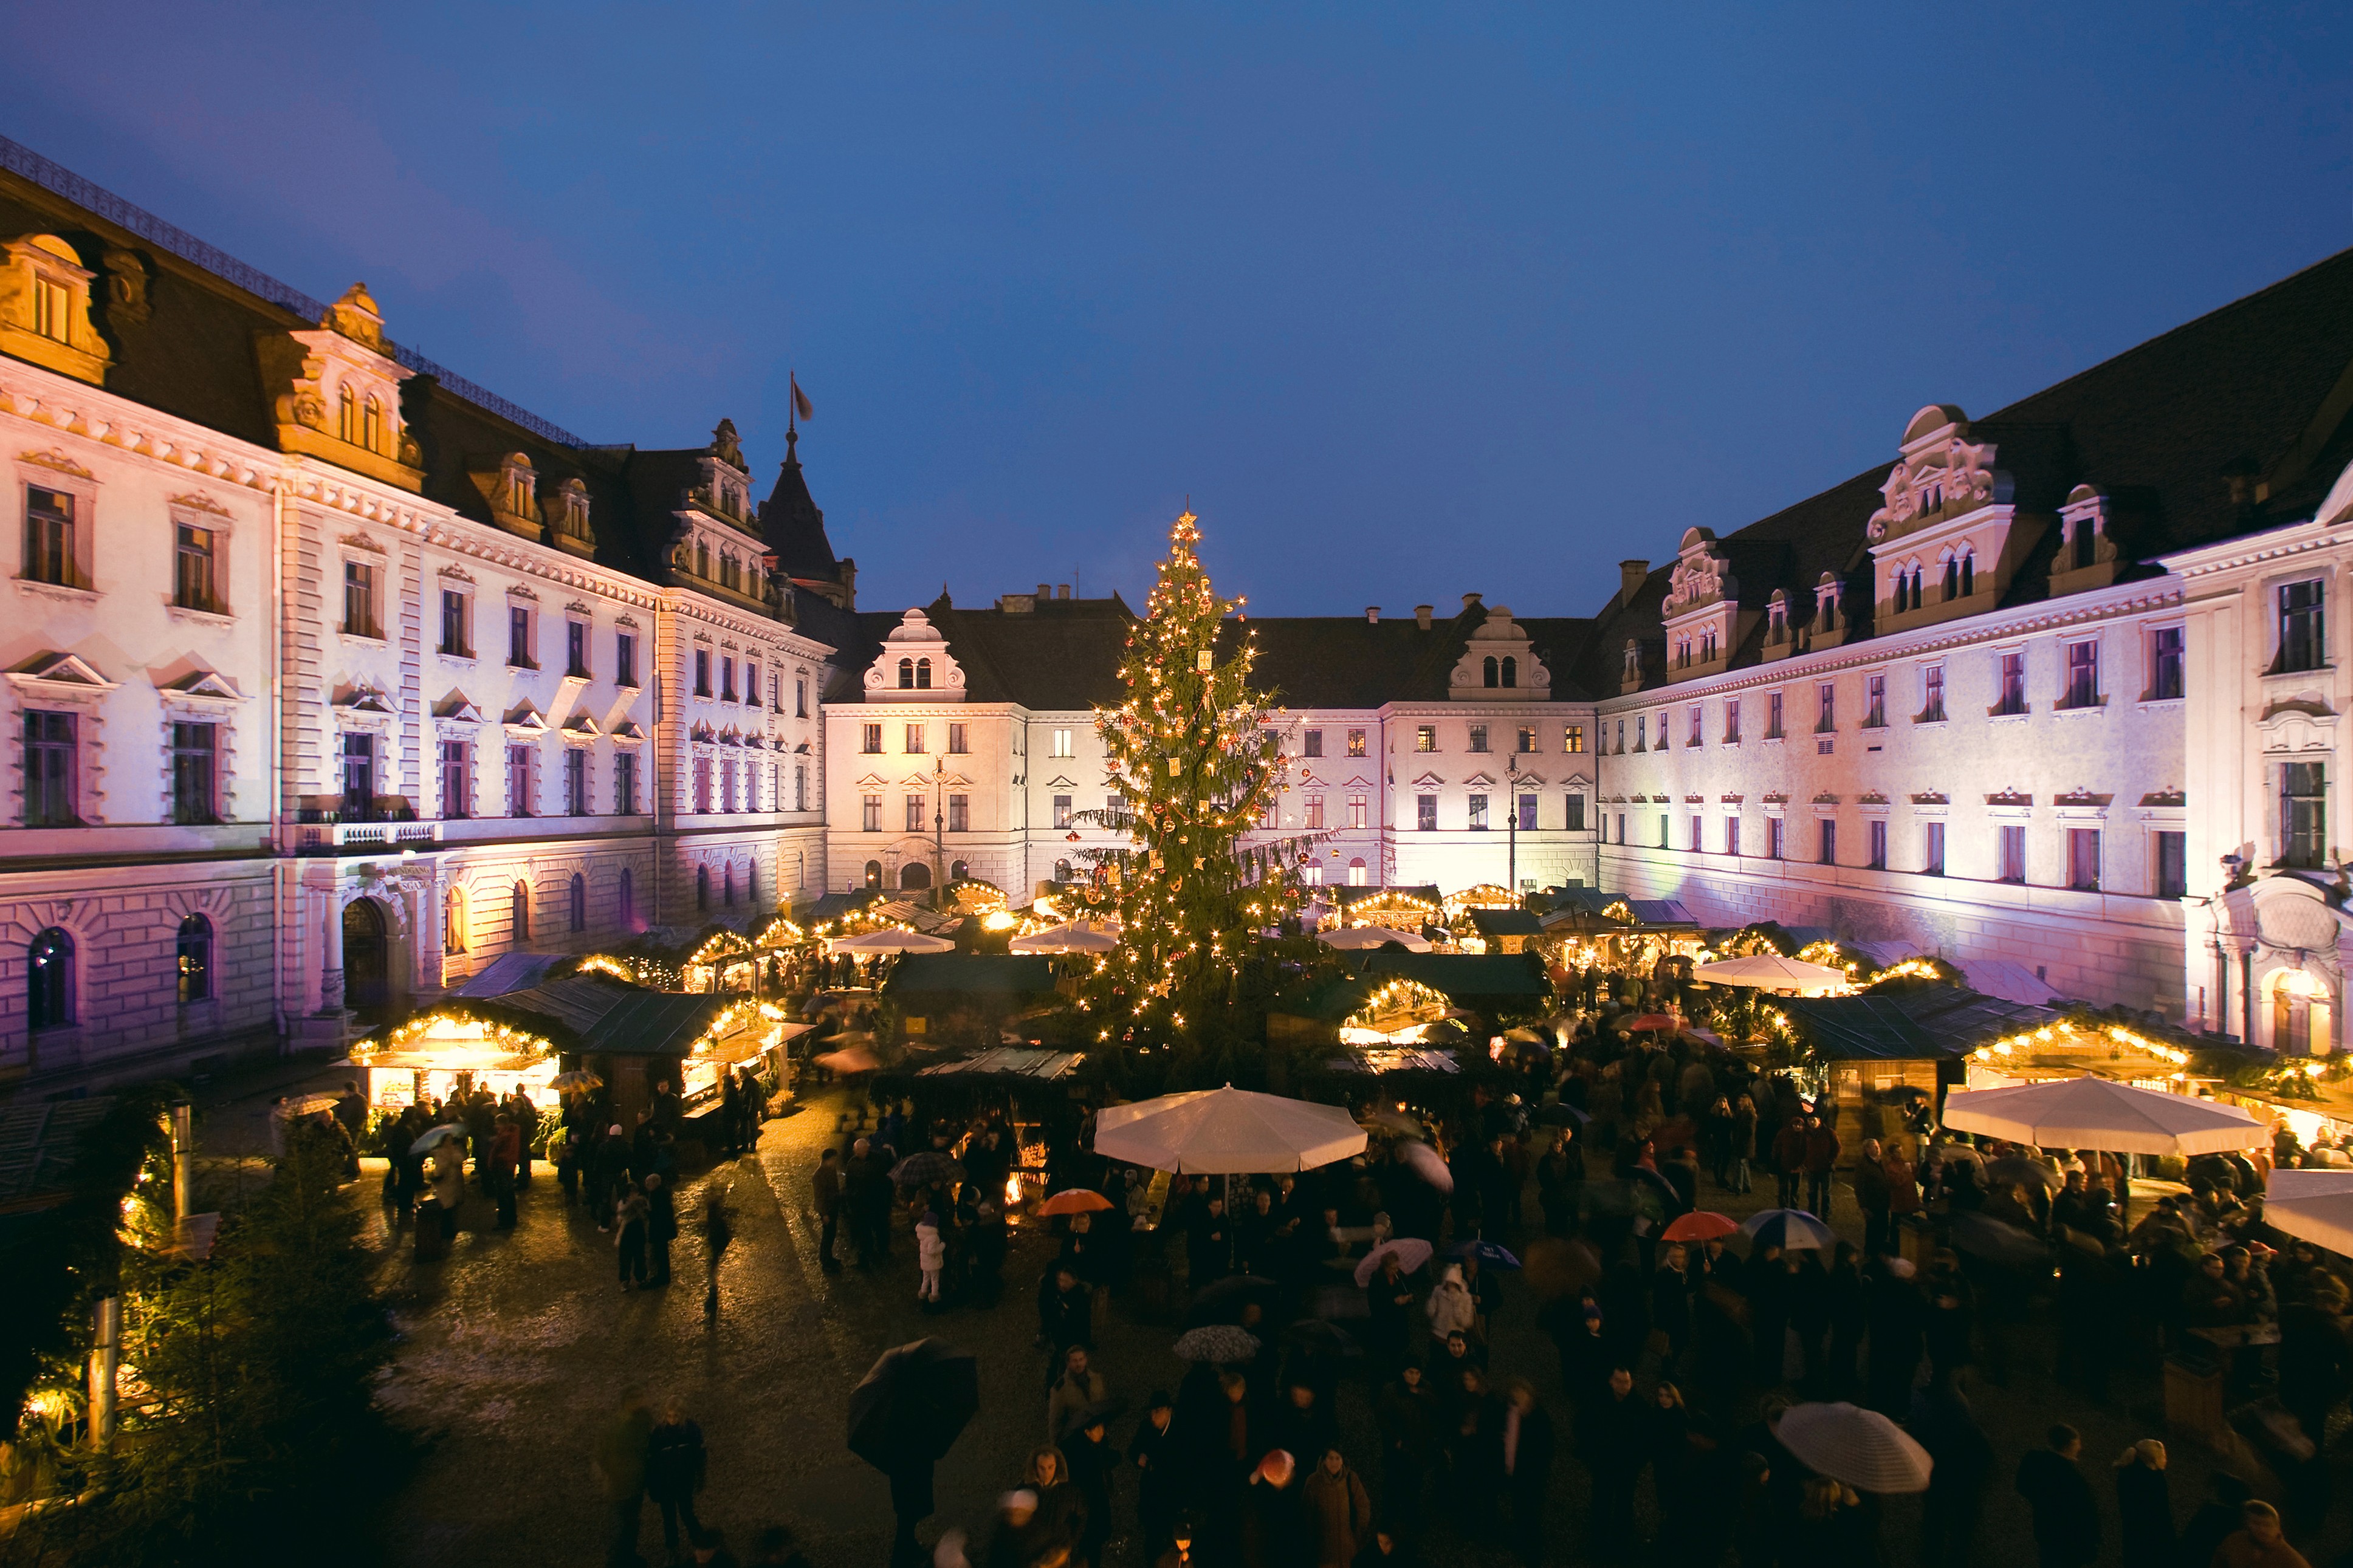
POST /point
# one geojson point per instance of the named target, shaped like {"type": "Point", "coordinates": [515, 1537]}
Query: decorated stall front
{"type": "Point", "coordinates": [459, 1045]}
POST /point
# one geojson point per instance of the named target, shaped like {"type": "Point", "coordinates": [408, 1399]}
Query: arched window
{"type": "Point", "coordinates": [906, 675]}
{"type": "Point", "coordinates": [519, 911]}
{"type": "Point", "coordinates": [347, 416]}
{"type": "Point", "coordinates": [1356, 872]}
{"type": "Point", "coordinates": [1969, 574]}
{"type": "Point", "coordinates": [1488, 670]}
{"type": "Point", "coordinates": [751, 886]}
{"type": "Point", "coordinates": [915, 876]}
{"type": "Point", "coordinates": [703, 886]}
{"type": "Point", "coordinates": [1511, 671]}
{"type": "Point", "coordinates": [628, 899]}
{"type": "Point", "coordinates": [579, 901]}
{"type": "Point", "coordinates": [49, 985]}
{"type": "Point", "coordinates": [923, 675]}
{"type": "Point", "coordinates": [873, 873]}
{"type": "Point", "coordinates": [195, 960]}
{"type": "Point", "coordinates": [1061, 870]}
{"type": "Point", "coordinates": [453, 921]}
{"type": "Point", "coordinates": [727, 885]}
{"type": "Point", "coordinates": [372, 425]}
{"type": "Point", "coordinates": [958, 871]}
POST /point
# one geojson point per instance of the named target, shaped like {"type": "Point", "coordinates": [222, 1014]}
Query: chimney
{"type": "Point", "coordinates": [1062, 591]}
{"type": "Point", "coordinates": [1372, 615]}
{"type": "Point", "coordinates": [1470, 602]}
{"type": "Point", "coordinates": [1631, 575]}
{"type": "Point", "coordinates": [1045, 592]}
{"type": "Point", "coordinates": [1421, 616]}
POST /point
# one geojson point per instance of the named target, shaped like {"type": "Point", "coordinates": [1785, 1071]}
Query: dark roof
{"type": "Point", "coordinates": [833, 906]}
{"type": "Point", "coordinates": [511, 971]}
{"type": "Point", "coordinates": [1861, 1029]}
{"type": "Point", "coordinates": [794, 525]}
{"type": "Point", "coordinates": [1462, 975]}
{"type": "Point", "coordinates": [1505, 922]}
{"type": "Point", "coordinates": [1007, 1062]}
{"type": "Point", "coordinates": [1346, 661]}
{"type": "Point", "coordinates": [1661, 912]}
{"type": "Point", "coordinates": [2179, 430]}
{"type": "Point", "coordinates": [971, 973]}
{"type": "Point", "coordinates": [40, 1142]}
{"type": "Point", "coordinates": [1961, 1019]}
{"type": "Point", "coordinates": [593, 1014]}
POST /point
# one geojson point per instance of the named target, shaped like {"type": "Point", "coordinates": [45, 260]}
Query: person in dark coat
{"type": "Point", "coordinates": [1671, 1300]}
{"type": "Point", "coordinates": [1274, 1523]}
{"type": "Point", "coordinates": [1528, 1467]}
{"type": "Point", "coordinates": [1940, 1420]}
{"type": "Point", "coordinates": [1893, 1317]}
{"type": "Point", "coordinates": [1408, 1415]}
{"type": "Point", "coordinates": [1613, 1433]}
{"type": "Point", "coordinates": [1160, 1472]}
{"type": "Point", "coordinates": [2145, 1505]}
{"type": "Point", "coordinates": [2066, 1518]}
{"type": "Point", "coordinates": [1388, 1304]}
{"type": "Point", "coordinates": [1091, 1459]}
{"type": "Point", "coordinates": [1066, 1308]}
{"type": "Point", "coordinates": [676, 1467]}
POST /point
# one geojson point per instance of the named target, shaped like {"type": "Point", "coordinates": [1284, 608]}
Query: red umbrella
{"type": "Point", "coordinates": [1654, 1021]}
{"type": "Point", "coordinates": [1074, 1200]}
{"type": "Point", "coordinates": [1700, 1224]}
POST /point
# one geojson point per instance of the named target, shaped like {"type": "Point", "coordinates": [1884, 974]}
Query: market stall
{"type": "Point", "coordinates": [456, 1046]}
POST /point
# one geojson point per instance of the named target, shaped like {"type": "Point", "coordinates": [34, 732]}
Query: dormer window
{"type": "Point", "coordinates": [567, 511]}
{"type": "Point", "coordinates": [519, 491]}
{"type": "Point", "coordinates": [52, 309]}
{"type": "Point", "coordinates": [347, 416]}
{"type": "Point", "coordinates": [372, 425]}
{"type": "Point", "coordinates": [44, 309]}
{"type": "Point", "coordinates": [1777, 620]}
{"type": "Point", "coordinates": [1931, 497]}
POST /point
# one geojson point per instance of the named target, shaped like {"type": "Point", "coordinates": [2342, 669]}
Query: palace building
{"type": "Point", "coordinates": [333, 676]}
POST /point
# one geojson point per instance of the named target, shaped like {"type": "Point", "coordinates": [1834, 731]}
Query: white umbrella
{"type": "Point", "coordinates": [2316, 1206]}
{"type": "Point", "coordinates": [1071, 936]}
{"type": "Point", "coordinates": [1410, 1252]}
{"type": "Point", "coordinates": [888, 939]}
{"type": "Point", "coordinates": [1227, 1131]}
{"type": "Point", "coordinates": [2101, 1113]}
{"type": "Point", "coordinates": [1358, 939]}
{"type": "Point", "coordinates": [1771, 971]}
{"type": "Point", "coordinates": [1860, 1447]}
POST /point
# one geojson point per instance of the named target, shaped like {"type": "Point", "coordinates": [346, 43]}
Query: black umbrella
{"type": "Point", "coordinates": [1996, 1241]}
{"type": "Point", "coordinates": [910, 1407]}
{"type": "Point", "coordinates": [929, 1166]}
{"type": "Point", "coordinates": [1560, 1113]}
{"type": "Point", "coordinates": [1321, 1338]}
{"type": "Point", "coordinates": [1221, 1300]}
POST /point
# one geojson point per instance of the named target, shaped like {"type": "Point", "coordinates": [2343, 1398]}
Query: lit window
{"type": "Point", "coordinates": [2165, 661]}
{"type": "Point", "coordinates": [359, 599]}
{"type": "Point", "coordinates": [1572, 739]}
{"type": "Point", "coordinates": [1425, 738]}
{"type": "Point", "coordinates": [915, 738]}
{"type": "Point", "coordinates": [49, 538]}
{"type": "Point", "coordinates": [195, 585]}
{"type": "Point", "coordinates": [1425, 807]}
{"type": "Point", "coordinates": [1355, 742]}
{"type": "Point", "coordinates": [1062, 743]}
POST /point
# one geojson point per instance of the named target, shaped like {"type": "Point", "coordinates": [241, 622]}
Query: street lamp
{"type": "Point", "coordinates": [939, 823]}
{"type": "Point", "coordinates": [1512, 833]}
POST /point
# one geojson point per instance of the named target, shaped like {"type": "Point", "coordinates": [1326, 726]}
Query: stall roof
{"type": "Point", "coordinates": [1861, 1029]}
{"type": "Point", "coordinates": [599, 1014]}
{"type": "Point", "coordinates": [39, 1145]}
{"type": "Point", "coordinates": [511, 971]}
{"type": "Point", "coordinates": [833, 906]}
{"type": "Point", "coordinates": [1961, 1019]}
{"type": "Point", "coordinates": [1462, 975]}
{"type": "Point", "coordinates": [973, 974]}
{"type": "Point", "coordinates": [1008, 1062]}
{"type": "Point", "coordinates": [2006, 978]}
{"type": "Point", "coordinates": [1661, 913]}
{"type": "Point", "coordinates": [1426, 891]}
{"type": "Point", "coordinates": [1399, 1058]}
{"type": "Point", "coordinates": [1505, 922]}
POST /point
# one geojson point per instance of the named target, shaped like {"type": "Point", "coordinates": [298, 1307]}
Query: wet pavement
{"type": "Point", "coordinates": [516, 1349]}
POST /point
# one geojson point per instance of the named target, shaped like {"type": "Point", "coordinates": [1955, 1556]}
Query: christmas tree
{"type": "Point", "coordinates": [1199, 766]}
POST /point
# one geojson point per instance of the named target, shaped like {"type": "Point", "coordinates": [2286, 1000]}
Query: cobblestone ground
{"type": "Point", "coordinates": [517, 1347]}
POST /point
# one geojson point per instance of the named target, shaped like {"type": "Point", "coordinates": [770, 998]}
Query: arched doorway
{"type": "Point", "coordinates": [2300, 1014]}
{"type": "Point", "coordinates": [915, 876]}
{"type": "Point", "coordinates": [367, 958]}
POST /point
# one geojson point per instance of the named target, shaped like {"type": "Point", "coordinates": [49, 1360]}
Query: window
{"type": "Point", "coordinates": [727, 873]}
{"type": "Point", "coordinates": [519, 913]}
{"type": "Point", "coordinates": [800, 786]}
{"type": "Point", "coordinates": [914, 808]}
{"type": "Point", "coordinates": [49, 981]}
{"type": "Point", "coordinates": [1774, 828]}
{"type": "Point", "coordinates": [1697, 722]}
{"type": "Point", "coordinates": [575, 782]}
{"type": "Point", "coordinates": [801, 697]}
{"type": "Point", "coordinates": [727, 678]}
{"type": "Point", "coordinates": [1876, 832]}
{"type": "Point", "coordinates": [1356, 810]}
{"type": "Point", "coordinates": [2304, 814]}
{"type": "Point", "coordinates": [576, 649]}
{"type": "Point", "coordinates": [871, 738]}
{"type": "Point", "coordinates": [195, 585]}
{"type": "Point", "coordinates": [1828, 855]}
{"type": "Point", "coordinates": [1489, 675]}
{"type": "Point", "coordinates": [1576, 812]}
{"type": "Point", "coordinates": [1732, 836]}
{"type": "Point", "coordinates": [701, 784]}
{"type": "Point", "coordinates": [1063, 811]}
{"type": "Point", "coordinates": [1698, 833]}
{"type": "Point", "coordinates": [914, 738]}
{"type": "Point", "coordinates": [2165, 659]}
{"type": "Point", "coordinates": [372, 425]}
{"type": "Point", "coordinates": [359, 777]}
{"type": "Point", "coordinates": [1314, 809]}
{"type": "Point", "coordinates": [1425, 811]}
{"type": "Point", "coordinates": [52, 309]}
{"type": "Point", "coordinates": [519, 781]}
{"type": "Point", "coordinates": [625, 784]}
{"type": "Point", "coordinates": [49, 538]}
{"type": "Point", "coordinates": [1310, 743]}
{"type": "Point", "coordinates": [2083, 859]}
{"type": "Point", "coordinates": [1960, 576]}
{"type": "Point", "coordinates": [194, 764]}
{"type": "Point", "coordinates": [1527, 817]}
{"type": "Point", "coordinates": [1524, 741]}
{"type": "Point", "coordinates": [1062, 743]}
{"type": "Point", "coordinates": [453, 919]}
{"type": "Point", "coordinates": [1932, 694]}
{"type": "Point", "coordinates": [2010, 852]}
{"type": "Point", "coordinates": [1773, 716]}
{"type": "Point", "coordinates": [1355, 742]}
{"type": "Point", "coordinates": [347, 415]}
{"type": "Point", "coordinates": [1572, 739]}
{"type": "Point", "coordinates": [2172, 864]}
{"type": "Point", "coordinates": [576, 902]}
{"type": "Point", "coordinates": [1478, 813]}
{"type": "Point", "coordinates": [1621, 737]}
{"type": "Point", "coordinates": [359, 600]}
{"type": "Point", "coordinates": [1663, 830]}
{"type": "Point", "coordinates": [1732, 720]}
{"type": "Point", "coordinates": [957, 745]}
{"type": "Point", "coordinates": [519, 650]}
{"type": "Point", "coordinates": [870, 812]}
{"type": "Point", "coordinates": [455, 640]}
{"type": "Point", "coordinates": [1642, 732]}
{"type": "Point", "coordinates": [703, 680]}
{"type": "Point", "coordinates": [1875, 701]}
{"type": "Point", "coordinates": [2083, 675]}
{"type": "Point", "coordinates": [1425, 738]}
{"type": "Point", "coordinates": [959, 814]}
{"type": "Point", "coordinates": [1478, 737]}
{"type": "Point", "coordinates": [751, 682]}
{"type": "Point", "coordinates": [1825, 707]}
{"type": "Point", "coordinates": [457, 781]}
{"type": "Point", "coordinates": [2303, 644]}
{"type": "Point", "coordinates": [1932, 848]}
{"type": "Point", "coordinates": [1621, 827]}
{"type": "Point", "coordinates": [2013, 697]}
{"type": "Point", "coordinates": [625, 659]}
{"type": "Point", "coordinates": [195, 960]}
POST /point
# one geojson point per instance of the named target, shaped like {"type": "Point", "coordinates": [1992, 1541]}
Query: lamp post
{"type": "Point", "coordinates": [1512, 827]}
{"type": "Point", "coordinates": [939, 839]}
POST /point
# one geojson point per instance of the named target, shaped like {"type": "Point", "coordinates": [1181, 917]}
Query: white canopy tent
{"type": "Point", "coordinates": [2101, 1113]}
{"type": "Point", "coordinates": [1227, 1132]}
{"type": "Point", "coordinates": [2315, 1205]}
{"type": "Point", "coordinates": [1363, 938]}
{"type": "Point", "coordinates": [888, 939]}
{"type": "Point", "coordinates": [1771, 971]}
{"type": "Point", "coordinates": [1070, 936]}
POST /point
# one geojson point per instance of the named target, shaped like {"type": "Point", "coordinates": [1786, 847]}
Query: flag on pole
{"type": "Point", "coordinates": [801, 409]}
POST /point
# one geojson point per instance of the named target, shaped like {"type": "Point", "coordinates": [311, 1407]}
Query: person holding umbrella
{"type": "Point", "coordinates": [1160, 1480]}
{"type": "Point", "coordinates": [1092, 1460]}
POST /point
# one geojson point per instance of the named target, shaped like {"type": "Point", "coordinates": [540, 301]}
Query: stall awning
{"type": "Point", "coordinates": [1008, 1062]}
{"type": "Point", "coordinates": [511, 971]}
{"type": "Point", "coordinates": [596, 1015]}
{"type": "Point", "coordinates": [833, 906]}
{"type": "Point", "coordinates": [1505, 923]}
{"type": "Point", "coordinates": [1961, 1019]}
{"type": "Point", "coordinates": [1498, 975]}
{"type": "Point", "coordinates": [1861, 1029]}
{"type": "Point", "coordinates": [970, 974]}
{"type": "Point", "coordinates": [1407, 1059]}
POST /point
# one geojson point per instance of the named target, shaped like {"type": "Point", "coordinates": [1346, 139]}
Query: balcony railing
{"type": "Point", "coordinates": [357, 826]}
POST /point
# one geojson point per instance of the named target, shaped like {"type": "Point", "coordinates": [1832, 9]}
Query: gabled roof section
{"type": "Point", "coordinates": [794, 524]}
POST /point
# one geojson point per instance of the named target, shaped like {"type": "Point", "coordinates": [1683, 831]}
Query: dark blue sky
{"type": "Point", "coordinates": [1410, 301]}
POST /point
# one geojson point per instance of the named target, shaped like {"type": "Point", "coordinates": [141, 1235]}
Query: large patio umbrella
{"type": "Point", "coordinates": [1227, 1131]}
{"type": "Point", "coordinates": [1070, 936]}
{"type": "Point", "coordinates": [912, 1405]}
{"type": "Point", "coordinates": [2315, 1205]}
{"type": "Point", "coordinates": [1860, 1447]}
{"type": "Point", "coordinates": [1771, 971]}
{"type": "Point", "coordinates": [1362, 938]}
{"type": "Point", "coordinates": [2101, 1113]}
{"type": "Point", "coordinates": [888, 939]}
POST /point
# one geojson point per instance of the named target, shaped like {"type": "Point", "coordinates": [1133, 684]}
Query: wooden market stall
{"type": "Point", "coordinates": [1875, 1060]}
{"type": "Point", "coordinates": [962, 998]}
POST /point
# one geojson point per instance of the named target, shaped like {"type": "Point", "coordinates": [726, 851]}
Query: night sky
{"type": "Point", "coordinates": [1410, 301]}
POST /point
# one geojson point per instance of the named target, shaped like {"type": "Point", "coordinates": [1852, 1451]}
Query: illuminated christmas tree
{"type": "Point", "coordinates": [1198, 765]}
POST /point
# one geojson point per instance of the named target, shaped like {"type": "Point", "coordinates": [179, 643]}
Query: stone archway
{"type": "Point", "coordinates": [367, 958]}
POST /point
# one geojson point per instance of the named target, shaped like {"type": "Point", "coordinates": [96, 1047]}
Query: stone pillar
{"type": "Point", "coordinates": [330, 976]}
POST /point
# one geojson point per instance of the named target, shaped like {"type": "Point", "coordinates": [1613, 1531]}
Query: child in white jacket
{"type": "Point", "coordinates": [931, 1255]}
